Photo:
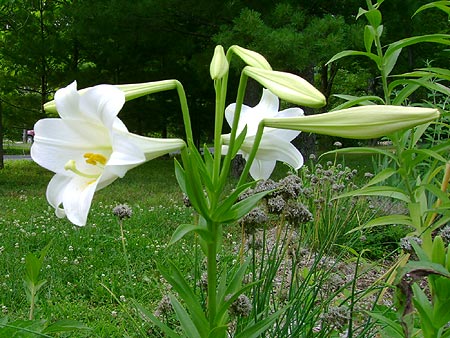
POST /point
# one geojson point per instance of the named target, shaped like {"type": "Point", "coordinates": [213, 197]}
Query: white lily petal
{"type": "Point", "coordinates": [274, 149]}
{"type": "Point", "coordinates": [89, 147]}
{"type": "Point", "coordinates": [67, 102]}
{"type": "Point", "coordinates": [268, 105]}
{"type": "Point", "coordinates": [57, 141]}
{"type": "Point", "coordinates": [102, 103]}
{"type": "Point", "coordinates": [77, 199]}
{"type": "Point", "coordinates": [55, 193]}
{"type": "Point", "coordinates": [275, 143]}
{"type": "Point", "coordinates": [261, 170]}
{"type": "Point", "coordinates": [155, 147]}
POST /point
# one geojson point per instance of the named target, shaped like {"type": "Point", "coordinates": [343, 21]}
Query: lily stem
{"type": "Point", "coordinates": [212, 277]}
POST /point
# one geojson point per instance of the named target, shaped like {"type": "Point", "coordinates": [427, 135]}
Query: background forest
{"type": "Point", "coordinates": [45, 45]}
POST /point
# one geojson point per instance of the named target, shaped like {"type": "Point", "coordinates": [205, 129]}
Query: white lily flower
{"type": "Point", "coordinates": [275, 143]}
{"type": "Point", "coordinates": [89, 147]}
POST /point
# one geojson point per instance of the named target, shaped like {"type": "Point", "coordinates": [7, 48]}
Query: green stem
{"type": "Point", "coordinates": [184, 111]}
{"type": "Point", "coordinates": [387, 99]}
{"type": "Point", "coordinates": [127, 263]}
{"type": "Point", "coordinates": [252, 154]}
{"type": "Point", "coordinates": [212, 276]}
{"type": "Point", "coordinates": [237, 113]}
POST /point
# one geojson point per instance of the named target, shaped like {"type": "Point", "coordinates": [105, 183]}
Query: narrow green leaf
{"type": "Point", "coordinates": [384, 220]}
{"type": "Point", "coordinates": [218, 332]}
{"type": "Point", "coordinates": [385, 191]}
{"type": "Point", "coordinates": [253, 330]}
{"type": "Point", "coordinates": [389, 61]}
{"type": "Point", "coordinates": [346, 53]}
{"type": "Point", "coordinates": [241, 208]}
{"type": "Point", "coordinates": [369, 36]}
{"type": "Point", "coordinates": [442, 5]}
{"type": "Point", "coordinates": [436, 38]}
{"type": "Point", "coordinates": [184, 229]}
{"type": "Point", "coordinates": [185, 292]}
{"type": "Point", "coordinates": [65, 325]}
{"type": "Point", "coordinates": [361, 150]}
{"type": "Point", "coordinates": [356, 100]}
{"type": "Point", "coordinates": [151, 318]}
{"type": "Point", "coordinates": [397, 328]}
{"type": "Point", "coordinates": [381, 176]}
{"type": "Point", "coordinates": [229, 201]}
{"type": "Point", "coordinates": [186, 322]}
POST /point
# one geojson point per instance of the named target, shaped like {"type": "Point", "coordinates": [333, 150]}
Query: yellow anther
{"type": "Point", "coordinates": [95, 159]}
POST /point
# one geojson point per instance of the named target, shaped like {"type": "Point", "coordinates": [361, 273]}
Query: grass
{"type": "Point", "coordinates": [84, 262]}
{"type": "Point", "coordinates": [16, 148]}
{"type": "Point", "coordinates": [81, 258]}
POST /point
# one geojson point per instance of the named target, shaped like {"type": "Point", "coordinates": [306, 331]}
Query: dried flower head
{"type": "Point", "coordinates": [123, 211]}
{"type": "Point", "coordinates": [253, 220]}
{"type": "Point", "coordinates": [405, 243]}
{"type": "Point", "coordinates": [297, 213]}
{"type": "Point", "coordinates": [290, 186]}
{"type": "Point", "coordinates": [164, 307]}
{"type": "Point", "coordinates": [241, 307]}
{"type": "Point", "coordinates": [276, 204]}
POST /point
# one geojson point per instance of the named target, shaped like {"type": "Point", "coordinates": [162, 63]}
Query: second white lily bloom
{"type": "Point", "coordinates": [275, 143]}
{"type": "Point", "coordinates": [89, 147]}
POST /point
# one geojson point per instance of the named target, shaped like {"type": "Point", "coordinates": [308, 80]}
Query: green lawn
{"type": "Point", "coordinates": [85, 269]}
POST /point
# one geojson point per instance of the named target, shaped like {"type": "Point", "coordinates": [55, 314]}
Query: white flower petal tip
{"type": "Point", "coordinates": [89, 147]}
{"type": "Point", "coordinates": [275, 144]}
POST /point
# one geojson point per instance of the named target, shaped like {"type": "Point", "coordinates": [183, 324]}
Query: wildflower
{"type": "Point", "coordinates": [276, 204]}
{"type": "Point", "coordinates": [297, 213]}
{"type": "Point", "coordinates": [241, 307]}
{"type": "Point", "coordinates": [253, 220]}
{"type": "Point", "coordinates": [164, 307]}
{"type": "Point", "coordinates": [405, 243]}
{"type": "Point", "coordinates": [337, 144]}
{"type": "Point", "coordinates": [89, 147]}
{"type": "Point", "coordinates": [275, 144]}
{"type": "Point", "coordinates": [290, 186]}
{"type": "Point", "coordinates": [122, 211]}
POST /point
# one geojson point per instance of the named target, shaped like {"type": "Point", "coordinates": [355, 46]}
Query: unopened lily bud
{"type": "Point", "coordinates": [251, 58]}
{"type": "Point", "coordinates": [131, 91]}
{"type": "Point", "coordinates": [288, 87]}
{"type": "Point", "coordinates": [219, 64]}
{"type": "Point", "coordinates": [363, 122]}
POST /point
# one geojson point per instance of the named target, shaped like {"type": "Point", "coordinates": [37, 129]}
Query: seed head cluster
{"type": "Point", "coordinates": [122, 211]}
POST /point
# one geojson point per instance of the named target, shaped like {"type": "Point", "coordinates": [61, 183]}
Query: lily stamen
{"type": "Point", "coordinates": [95, 159]}
{"type": "Point", "coordinates": [71, 165]}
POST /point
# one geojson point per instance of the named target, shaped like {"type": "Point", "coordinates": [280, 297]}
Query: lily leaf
{"type": "Point", "coordinates": [385, 191]}
{"type": "Point", "coordinates": [186, 322]}
{"type": "Point", "coordinates": [346, 53]}
{"type": "Point", "coordinates": [184, 229]}
{"type": "Point", "coordinates": [384, 220]}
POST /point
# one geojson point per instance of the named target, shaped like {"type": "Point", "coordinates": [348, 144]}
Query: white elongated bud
{"type": "Point", "coordinates": [363, 122]}
{"type": "Point", "coordinates": [250, 57]}
{"type": "Point", "coordinates": [219, 64]}
{"type": "Point", "coordinates": [288, 87]}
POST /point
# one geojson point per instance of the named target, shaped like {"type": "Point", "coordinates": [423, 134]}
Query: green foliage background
{"type": "Point", "coordinates": [45, 45]}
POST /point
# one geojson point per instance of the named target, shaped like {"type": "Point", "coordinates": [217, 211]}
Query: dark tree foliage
{"type": "Point", "coordinates": [47, 44]}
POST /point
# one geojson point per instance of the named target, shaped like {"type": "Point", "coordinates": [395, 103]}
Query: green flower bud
{"type": "Point", "coordinates": [363, 122]}
{"type": "Point", "coordinates": [250, 57]}
{"type": "Point", "coordinates": [288, 87]}
{"type": "Point", "coordinates": [219, 64]}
